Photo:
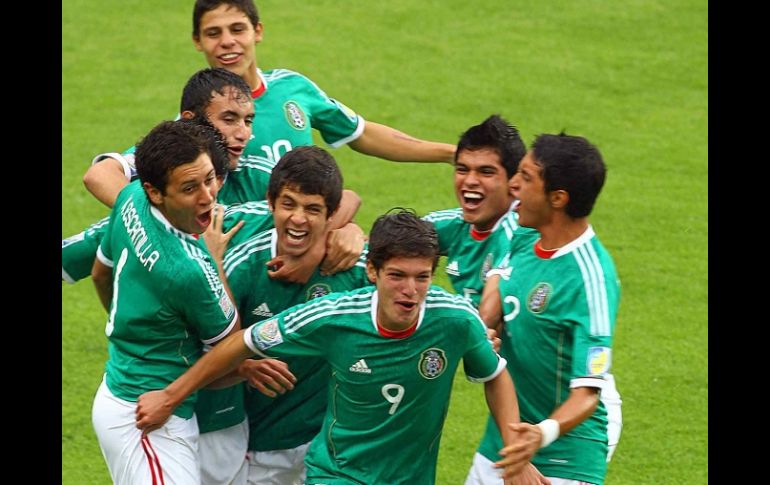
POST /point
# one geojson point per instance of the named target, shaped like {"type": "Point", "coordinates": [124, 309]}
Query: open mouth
{"type": "Point", "coordinates": [407, 306]}
{"type": "Point", "coordinates": [204, 219]}
{"type": "Point", "coordinates": [472, 200]}
{"type": "Point", "coordinates": [235, 151]}
{"type": "Point", "coordinates": [295, 235]}
{"type": "Point", "coordinates": [229, 58]}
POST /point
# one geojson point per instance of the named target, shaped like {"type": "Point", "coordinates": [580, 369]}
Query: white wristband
{"type": "Point", "coordinates": [550, 430]}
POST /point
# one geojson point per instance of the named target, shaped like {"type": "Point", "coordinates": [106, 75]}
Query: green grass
{"type": "Point", "coordinates": [631, 76]}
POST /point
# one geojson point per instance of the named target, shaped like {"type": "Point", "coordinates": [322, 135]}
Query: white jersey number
{"type": "Point", "coordinates": [395, 400]}
{"type": "Point", "coordinates": [111, 320]}
{"type": "Point", "coordinates": [278, 149]}
{"type": "Point", "coordinates": [516, 308]}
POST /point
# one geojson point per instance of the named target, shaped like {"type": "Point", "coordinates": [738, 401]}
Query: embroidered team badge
{"type": "Point", "coordinates": [432, 363]}
{"type": "Point", "coordinates": [538, 298]}
{"type": "Point", "coordinates": [318, 290]}
{"type": "Point", "coordinates": [294, 115]}
{"type": "Point", "coordinates": [599, 360]}
{"type": "Point", "coordinates": [268, 334]}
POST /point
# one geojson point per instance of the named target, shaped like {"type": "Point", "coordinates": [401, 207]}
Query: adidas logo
{"type": "Point", "coordinates": [361, 367]}
{"type": "Point", "coordinates": [453, 268]}
{"type": "Point", "coordinates": [262, 311]}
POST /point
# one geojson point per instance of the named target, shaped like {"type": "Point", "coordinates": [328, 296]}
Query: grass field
{"type": "Point", "coordinates": [631, 76]}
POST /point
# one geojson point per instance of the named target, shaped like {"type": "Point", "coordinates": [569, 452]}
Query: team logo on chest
{"type": "Point", "coordinates": [294, 115]}
{"type": "Point", "coordinates": [317, 290]}
{"type": "Point", "coordinates": [432, 363]}
{"type": "Point", "coordinates": [539, 297]}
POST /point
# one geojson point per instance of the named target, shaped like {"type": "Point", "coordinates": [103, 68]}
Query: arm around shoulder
{"type": "Point", "coordinates": [385, 142]}
{"type": "Point", "coordinates": [105, 180]}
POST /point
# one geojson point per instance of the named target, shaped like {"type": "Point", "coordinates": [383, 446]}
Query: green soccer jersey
{"type": "Point", "coordinates": [470, 257]}
{"type": "Point", "coordinates": [284, 116]}
{"type": "Point", "coordinates": [78, 251]}
{"type": "Point", "coordinates": [294, 418]}
{"type": "Point", "coordinates": [167, 299]}
{"type": "Point", "coordinates": [559, 316]}
{"type": "Point", "coordinates": [387, 397]}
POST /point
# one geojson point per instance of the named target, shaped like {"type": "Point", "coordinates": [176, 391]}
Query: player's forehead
{"type": "Point", "coordinates": [231, 99]}
{"type": "Point", "coordinates": [223, 16]}
{"type": "Point", "coordinates": [409, 265]}
{"type": "Point", "coordinates": [479, 157]}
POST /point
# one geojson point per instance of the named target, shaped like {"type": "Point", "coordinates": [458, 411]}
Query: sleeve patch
{"type": "Point", "coordinates": [599, 360]}
{"type": "Point", "coordinates": [267, 334]}
{"type": "Point", "coordinates": [226, 305]}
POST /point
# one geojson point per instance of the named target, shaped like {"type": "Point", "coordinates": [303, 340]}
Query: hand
{"type": "Point", "coordinates": [494, 339]}
{"type": "Point", "coordinates": [526, 440]}
{"type": "Point", "coordinates": [152, 410]}
{"type": "Point", "coordinates": [267, 375]}
{"type": "Point", "coordinates": [343, 248]}
{"type": "Point", "coordinates": [296, 270]}
{"type": "Point", "coordinates": [528, 476]}
{"type": "Point", "coordinates": [216, 240]}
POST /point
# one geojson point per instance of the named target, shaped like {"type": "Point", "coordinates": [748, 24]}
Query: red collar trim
{"type": "Point", "coordinates": [544, 253]}
{"type": "Point", "coordinates": [259, 91]}
{"type": "Point", "coordinates": [480, 235]}
{"type": "Point", "coordinates": [399, 334]}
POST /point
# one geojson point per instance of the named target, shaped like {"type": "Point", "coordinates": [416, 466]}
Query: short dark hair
{"type": "Point", "coordinates": [202, 6]}
{"type": "Point", "coordinates": [573, 164]}
{"type": "Point", "coordinates": [200, 88]}
{"type": "Point", "coordinates": [311, 170]}
{"type": "Point", "coordinates": [400, 233]}
{"type": "Point", "coordinates": [499, 135]}
{"type": "Point", "coordinates": [219, 156]}
{"type": "Point", "coordinates": [169, 145]}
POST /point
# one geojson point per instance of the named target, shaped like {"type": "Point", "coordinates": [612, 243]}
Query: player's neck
{"type": "Point", "coordinates": [253, 79]}
{"type": "Point", "coordinates": [562, 231]}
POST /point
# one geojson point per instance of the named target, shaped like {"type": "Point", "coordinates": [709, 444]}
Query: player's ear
{"type": "Point", "coordinates": [371, 272]}
{"type": "Point", "coordinates": [187, 115]}
{"type": "Point", "coordinates": [155, 196]}
{"type": "Point", "coordinates": [258, 30]}
{"type": "Point", "coordinates": [558, 199]}
{"type": "Point", "coordinates": [197, 43]}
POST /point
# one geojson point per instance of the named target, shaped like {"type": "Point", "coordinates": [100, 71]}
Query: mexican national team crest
{"type": "Point", "coordinates": [538, 298]}
{"type": "Point", "coordinates": [318, 290]}
{"type": "Point", "coordinates": [432, 363]}
{"type": "Point", "coordinates": [294, 115]}
{"type": "Point", "coordinates": [268, 334]}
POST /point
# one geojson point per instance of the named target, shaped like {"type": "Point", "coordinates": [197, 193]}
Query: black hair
{"type": "Point", "coordinates": [572, 164]}
{"type": "Point", "coordinates": [310, 170]}
{"type": "Point", "coordinates": [200, 88]}
{"type": "Point", "coordinates": [499, 135]}
{"type": "Point", "coordinates": [202, 6]}
{"type": "Point", "coordinates": [400, 233]}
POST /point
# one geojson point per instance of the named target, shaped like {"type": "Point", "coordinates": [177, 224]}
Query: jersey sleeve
{"type": "Point", "coordinates": [126, 159]}
{"type": "Point", "coordinates": [104, 249]}
{"type": "Point", "coordinates": [205, 304]}
{"type": "Point", "coordinates": [337, 123]}
{"type": "Point", "coordinates": [480, 361]}
{"type": "Point", "coordinates": [592, 345]}
{"type": "Point", "coordinates": [299, 331]}
{"type": "Point", "coordinates": [256, 217]}
{"type": "Point", "coordinates": [442, 221]}
{"type": "Point", "coordinates": [78, 251]}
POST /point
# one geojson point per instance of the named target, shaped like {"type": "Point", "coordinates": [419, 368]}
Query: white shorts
{"type": "Point", "coordinates": [223, 455]}
{"type": "Point", "coordinates": [278, 467]}
{"type": "Point", "coordinates": [483, 472]}
{"type": "Point", "coordinates": [167, 455]}
{"type": "Point", "coordinates": [611, 399]}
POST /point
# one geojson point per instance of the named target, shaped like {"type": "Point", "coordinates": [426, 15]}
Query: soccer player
{"type": "Point", "coordinates": [224, 100]}
{"type": "Point", "coordinates": [558, 302]}
{"type": "Point", "coordinates": [287, 107]}
{"type": "Point", "coordinates": [475, 236]}
{"type": "Point", "coordinates": [393, 350]}
{"type": "Point", "coordinates": [151, 267]}
{"type": "Point", "coordinates": [304, 192]}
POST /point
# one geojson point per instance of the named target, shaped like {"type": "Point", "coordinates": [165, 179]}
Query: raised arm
{"type": "Point", "coordinates": [385, 142]}
{"type": "Point", "coordinates": [105, 179]}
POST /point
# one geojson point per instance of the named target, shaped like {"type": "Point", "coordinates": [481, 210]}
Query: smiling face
{"type": "Point", "coordinates": [190, 195]}
{"type": "Point", "coordinates": [481, 187]}
{"type": "Point", "coordinates": [228, 39]}
{"type": "Point", "coordinates": [300, 220]}
{"type": "Point", "coordinates": [232, 114]}
{"type": "Point", "coordinates": [402, 284]}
